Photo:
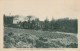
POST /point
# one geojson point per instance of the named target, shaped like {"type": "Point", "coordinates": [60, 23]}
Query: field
{"type": "Point", "coordinates": [26, 38]}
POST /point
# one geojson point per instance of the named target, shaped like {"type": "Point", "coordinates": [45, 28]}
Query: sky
{"type": "Point", "coordinates": [41, 8]}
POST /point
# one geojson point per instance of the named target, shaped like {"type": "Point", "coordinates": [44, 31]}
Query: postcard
{"type": "Point", "coordinates": [50, 25]}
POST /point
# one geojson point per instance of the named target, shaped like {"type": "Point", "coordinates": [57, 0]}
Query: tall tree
{"type": "Point", "coordinates": [46, 24]}
{"type": "Point", "coordinates": [37, 24]}
{"type": "Point", "coordinates": [29, 21]}
{"type": "Point", "coordinates": [52, 24]}
{"type": "Point", "coordinates": [33, 24]}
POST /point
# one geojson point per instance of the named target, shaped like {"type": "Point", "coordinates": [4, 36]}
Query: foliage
{"type": "Point", "coordinates": [63, 25]}
{"type": "Point", "coordinates": [20, 38]}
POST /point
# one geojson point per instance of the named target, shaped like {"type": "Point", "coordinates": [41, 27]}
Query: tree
{"type": "Point", "coordinates": [46, 24]}
{"type": "Point", "coordinates": [33, 24]}
{"type": "Point", "coordinates": [52, 24]}
{"type": "Point", "coordinates": [37, 24]}
{"type": "Point", "coordinates": [25, 24]}
{"type": "Point", "coordinates": [29, 21]}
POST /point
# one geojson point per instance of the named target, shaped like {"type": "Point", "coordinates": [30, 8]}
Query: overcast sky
{"type": "Point", "coordinates": [41, 8]}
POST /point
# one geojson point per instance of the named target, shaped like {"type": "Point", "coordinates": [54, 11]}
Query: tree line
{"type": "Point", "coordinates": [63, 24]}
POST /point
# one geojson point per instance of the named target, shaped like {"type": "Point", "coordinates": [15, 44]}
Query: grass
{"type": "Point", "coordinates": [25, 38]}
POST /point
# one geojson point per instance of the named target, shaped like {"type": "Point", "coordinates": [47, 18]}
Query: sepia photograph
{"type": "Point", "coordinates": [30, 32]}
{"type": "Point", "coordinates": [40, 24]}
